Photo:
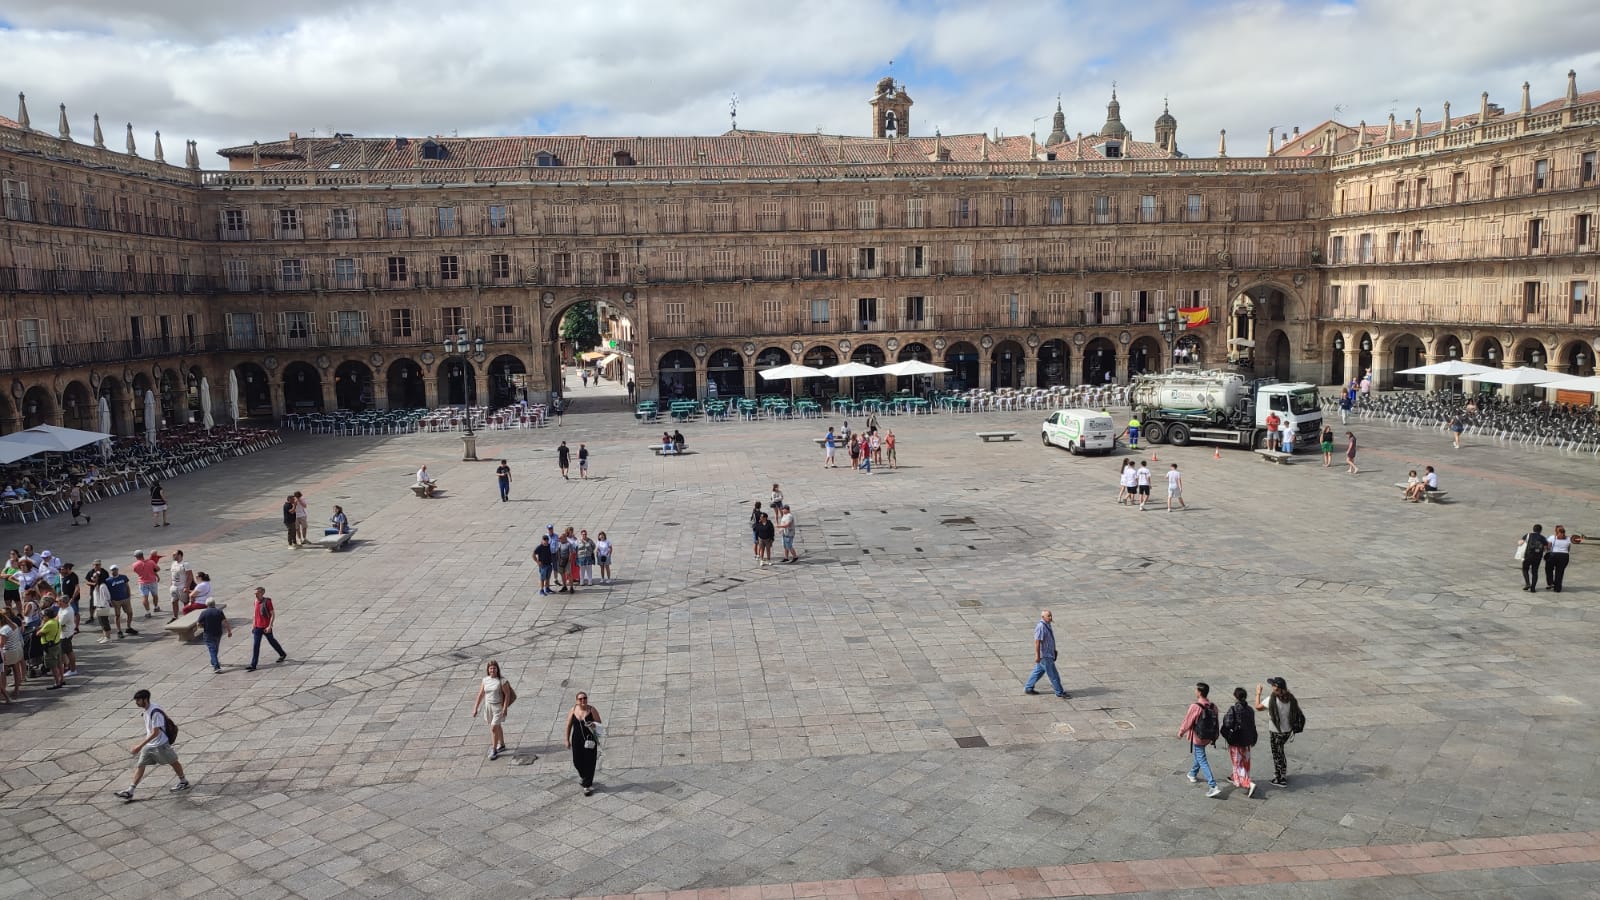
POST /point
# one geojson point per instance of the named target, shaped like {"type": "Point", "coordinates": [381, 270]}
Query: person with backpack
{"type": "Point", "coordinates": [1530, 551]}
{"type": "Point", "coordinates": [1200, 726]}
{"type": "Point", "coordinates": [1239, 730]}
{"type": "Point", "coordinates": [160, 733]}
{"type": "Point", "coordinates": [1286, 720]}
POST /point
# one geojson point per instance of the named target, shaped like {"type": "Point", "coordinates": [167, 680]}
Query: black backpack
{"type": "Point", "coordinates": [170, 727]}
{"type": "Point", "coordinates": [1205, 727]}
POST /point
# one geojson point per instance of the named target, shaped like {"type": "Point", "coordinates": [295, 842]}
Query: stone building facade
{"type": "Point", "coordinates": [328, 272]}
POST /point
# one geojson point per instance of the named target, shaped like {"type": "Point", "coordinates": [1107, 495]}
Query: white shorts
{"type": "Point", "coordinates": [494, 715]}
{"type": "Point", "coordinates": [1174, 493]}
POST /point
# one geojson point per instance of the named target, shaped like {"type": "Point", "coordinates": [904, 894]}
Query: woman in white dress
{"type": "Point", "coordinates": [495, 696]}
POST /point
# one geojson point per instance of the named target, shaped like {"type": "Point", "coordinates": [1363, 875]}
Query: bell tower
{"type": "Point", "coordinates": [891, 110]}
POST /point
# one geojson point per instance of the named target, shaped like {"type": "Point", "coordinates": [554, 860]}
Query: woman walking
{"type": "Point", "coordinates": [158, 505]}
{"type": "Point", "coordinates": [1239, 730]}
{"type": "Point", "coordinates": [495, 696]}
{"type": "Point", "coordinates": [1350, 454]}
{"type": "Point", "coordinates": [602, 555]}
{"type": "Point", "coordinates": [1555, 558]}
{"type": "Point", "coordinates": [1127, 479]}
{"type": "Point", "coordinates": [583, 738]}
{"type": "Point", "coordinates": [586, 551]}
{"type": "Point", "coordinates": [1327, 446]}
{"type": "Point", "coordinates": [755, 538]}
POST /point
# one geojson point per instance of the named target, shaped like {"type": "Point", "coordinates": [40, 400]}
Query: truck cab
{"type": "Point", "coordinates": [1295, 402]}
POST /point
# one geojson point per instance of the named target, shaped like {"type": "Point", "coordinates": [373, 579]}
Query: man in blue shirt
{"type": "Point", "coordinates": [121, 602]}
{"type": "Point", "coordinates": [1044, 656]}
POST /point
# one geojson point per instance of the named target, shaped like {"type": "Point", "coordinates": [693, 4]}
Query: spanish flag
{"type": "Point", "coordinates": [1196, 315]}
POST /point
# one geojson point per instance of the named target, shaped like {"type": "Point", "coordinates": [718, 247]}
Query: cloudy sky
{"type": "Point", "coordinates": [225, 72]}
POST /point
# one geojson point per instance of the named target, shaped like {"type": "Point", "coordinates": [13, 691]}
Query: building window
{"type": "Point", "coordinates": [1055, 211]}
{"type": "Point", "coordinates": [1250, 206]}
{"type": "Point", "coordinates": [237, 272]}
{"type": "Point", "coordinates": [341, 224]}
{"type": "Point", "coordinates": [445, 217]}
{"type": "Point", "coordinates": [1583, 229]}
{"type": "Point", "coordinates": [397, 270]}
{"type": "Point", "coordinates": [1008, 211]}
{"type": "Point", "coordinates": [500, 266]}
{"type": "Point", "coordinates": [1535, 234]}
{"type": "Point", "coordinates": [676, 267]}
{"type": "Point", "coordinates": [561, 265]}
{"type": "Point", "coordinates": [449, 268]}
{"type": "Point", "coordinates": [497, 218]}
{"type": "Point", "coordinates": [1530, 297]}
{"type": "Point", "coordinates": [963, 212]}
{"type": "Point", "coordinates": [721, 215]}
{"type": "Point", "coordinates": [344, 273]}
{"type": "Point", "coordinates": [296, 325]}
{"type": "Point", "coordinates": [394, 219]}
{"type": "Point", "coordinates": [610, 215]}
{"type": "Point", "coordinates": [722, 312]}
{"type": "Point", "coordinates": [1416, 243]}
{"type": "Point", "coordinates": [961, 263]}
{"type": "Point", "coordinates": [867, 260]}
{"type": "Point", "coordinates": [1336, 253]}
{"type": "Point", "coordinates": [1008, 259]}
{"type": "Point", "coordinates": [1586, 167]}
{"type": "Point", "coordinates": [769, 217]}
{"type": "Point", "coordinates": [1394, 246]}
{"type": "Point", "coordinates": [1497, 174]}
{"type": "Point", "coordinates": [242, 329]}
{"type": "Point", "coordinates": [820, 311]}
{"type": "Point", "coordinates": [1578, 297]}
{"type": "Point", "coordinates": [866, 214]}
{"type": "Point", "coordinates": [772, 311]}
{"type": "Point", "coordinates": [1364, 247]}
{"type": "Point", "coordinates": [1194, 209]}
{"type": "Point", "coordinates": [1541, 174]}
{"type": "Point", "coordinates": [503, 320]}
{"type": "Point", "coordinates": [292, 272]}
{"type": "Point", "coordinates": [914, 211]}
{"type": "Point", "coordinates": [722, 263]}
{"type": "Point", "coordinates": [817, 213]}
{"type": "Point", "coordinates": [916, 260]}
{"type": "Point", "coordinates": [914, 310]}
{"type": "Point", "coordinates": [1147, 208]}
{"type": "Point", "coordinates": [1363, 297]}
{"type": "Point", "coordinates": [611, 265]}
{"type": "Point", "coordinates": [819, 261]}
{"type": "Point", "coordinates": [232, 219]}
{"type": "Point", "coordinates": [672, 216]}
{"type": "Point", "coordinates": [289, 220]}
{"type": "Point", "coordinates": [676, 313]}
{"type": "Point", "coordinates": [867, 312]}
{"type": "Point", "coordinates": [1014, 311]}
{"type": "Point", "coordinates": [453, 318]}
{"type": "Point", "coordinates": [771, 263]}
{"type": "Point", "coordinates": [1333, 298]}
{"type": "Point", "coordinates": [1055, 306]}
{"type": "Point", "coordinates": [400, 323]}
{"type": "Point", "coordinates": [562, 216]}
{"type": "Point", "coordinates": [352, 325]}
{"type": "Point", "coordinates": [1102, 210]}
{"type": "Point", "coordinates": [1458, 187]}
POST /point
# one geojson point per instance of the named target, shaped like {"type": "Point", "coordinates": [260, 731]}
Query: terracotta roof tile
{"type": "Point", "coordinates": [1309, 141]}
{"type": "Point", "coordinates": [8, 123]}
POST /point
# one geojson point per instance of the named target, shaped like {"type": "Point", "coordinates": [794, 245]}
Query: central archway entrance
{"type": "Point", "coordinates": [406, 389]}
{"type": "Point", "coordinates": [352, 386]}
{"type": "Point", "coordinates": [610, 332]}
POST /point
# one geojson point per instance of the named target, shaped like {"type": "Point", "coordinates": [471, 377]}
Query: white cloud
{"type": "Point", "coordinates": [226, 73]}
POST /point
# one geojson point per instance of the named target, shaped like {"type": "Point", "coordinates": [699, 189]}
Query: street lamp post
{"type": "Point", "coordinates": [460, 346]}
{"type": "Point", "coordinates": [1172, 325]}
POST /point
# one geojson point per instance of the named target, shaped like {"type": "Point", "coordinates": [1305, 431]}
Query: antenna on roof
{"type": "Point", "coordinates": [733, 111]}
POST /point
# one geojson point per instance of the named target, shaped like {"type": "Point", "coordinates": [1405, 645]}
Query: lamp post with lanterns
{"type": "Point", "coordinates": [1172, 326]}
{"type": "Point", "coordinates": [460, 346]}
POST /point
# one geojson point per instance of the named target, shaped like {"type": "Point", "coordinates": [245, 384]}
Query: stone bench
{"type": "Point", "coordinates": [659, 451]}
{"type": "Point", "coordinates": [988, 436]}
{"type": "Point", "coordinates": [327, 541]}
{"type": "Point", "coordinates": [1276, 456]}
{"type": "Point", "coordinates": [1427, 496]}
{"type": "Point", "coordinates": [424, 490]}
{"type": "Point", "coordinates": [187, 624]}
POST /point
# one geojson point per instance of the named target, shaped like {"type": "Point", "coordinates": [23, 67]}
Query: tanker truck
{"type": "Point", "coordinates": [1184, 406]}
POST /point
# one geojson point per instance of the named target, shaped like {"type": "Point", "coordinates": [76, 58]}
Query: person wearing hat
{"type": "Point", "coordinates": [213, 621]}
{"type": "Point", "coordinates": [100, 599]}
{"type": "Point", "coordinates": [1286, 721]}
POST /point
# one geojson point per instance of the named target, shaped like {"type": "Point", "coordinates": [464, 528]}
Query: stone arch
{"type": "Point", "coordinates": [115, 394]}
{"type": "Point", "coordinates": [1406, 351]}
{"type": "Point", "coordinates": [914, 351]}
{"type": "Point", "coordinates": [552, 367]}
{"type": "Point", "coordinates": [302, 388]}
{"type": "Point", "coordinates": [407, 389]}
{"type": "Point", "coordinates": [79, 409]}
{"type": "Point", "coordinates": [868, 355]}
{"type": "Point", "coordinates": [1054, 363]}
{"type": "Point", "coordinates": [38, 407]}
{"type": "Point", "coordinates": [1008, 365]}
{"type": "Point", "coordinates": [1145, 355]}
{"type": "Point", "coordinates": [1190, 350]}
{"type": "Point", "coordinates": [192, 379]}
{"type": "Point", "coordinates": [9, 420]}
{"type": "Point", "coordinates": [1366, 342]}
{"type": "Point", "coordinates": [169, 390]}
{"type": "Point", "coordinates": [1099, 360]}
{"type": "Point", "coordinates": [255, 390]}
{"type": "Point", "coordinates": [676, 377]}
{"type": "Point", "coordinates": [961, 358]}
{"type": "Point", "coordinates": [352, 386]}
{"type": "Point", "coordinates": [771, 358]}
{"type": "Point", "coordinates": [1575, 358]}
{"type": "Point", "coordinates": [1530, 352]}
{"type": "Point", "coordinates": [820, 356]}
{"type": "Point", "coordinates": [503, 387]}
{"type": "Point", "coordinates": [1488, 351]}
{"type": "Point", "coordinates": [725, 370]}
{"type": "Point", "coordinates": [456, 380]}
{"type": "Point", "coordinates": [1337, 341]}
{"type": "Point", "coordinates": [1272, 356]}
{"type": "Point", "coordinates": [142, 384]}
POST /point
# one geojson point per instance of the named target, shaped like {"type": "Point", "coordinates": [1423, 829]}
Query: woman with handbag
{"type": "Point", "coordinates": [495, 696]}
{"type": "Point", "coordinates": [583, 737]}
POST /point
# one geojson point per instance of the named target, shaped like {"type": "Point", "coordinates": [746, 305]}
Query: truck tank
{"type": "Point", "coordinates": [1181, 393]}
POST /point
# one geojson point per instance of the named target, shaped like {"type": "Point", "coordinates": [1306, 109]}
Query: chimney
{"type": "Point", "coordinates": [1527, 104]}
{"type": "Point", "coordinates": [1297, 131]}
{"type": "Point", "coordinates": [1572, 86]}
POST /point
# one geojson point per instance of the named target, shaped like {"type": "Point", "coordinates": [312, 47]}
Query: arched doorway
{"type": "Point", "coordinates": [9, 421]}
{"type": "Point", "coordinates": [457, 382]}
{"type": "Point", "coordinates": [255, 390]}
{"type": "Point", "coordinates": [115, 394]}
{"type": "Point", "coordinates": [168, 395]}
{"type": "Point", "coordinates": [1008, 365]}
{"type": "Point", "coordinates": [1144, 356]}
{"type": "Point", "coordinates": [352, 386]}
{"type": "Point", "coordinates": [1099, 362]}
{"type": "Point", "coordinates": [1530, 353]}
{"type": "Point", "coordinates": [1488, 352]}
{"type": "Point", "coordinates": [406, 388]}
{"type": "Point", "coordinates": [1336, 372]}
{"type": "Point", "coordinates": [675, 376]}
{"type": "Point", "coordinates": [141, 385]}
{"type": "Point", "coordinates": [191, 381]}
{"type": "Point", "coordinates": [1407, 352]}
{"type": "Point", "coordinates": [771, 358]}
{"type": "Point", "coordinates": [914, 383]}
{"type": "Point", "coordinates": [505, 373]}
{"type": "Point", "coordinates": [1576, 358]}
{"type": "Point", "coordinates": [1190, 350]}
{"type": "Point", "coordinates": [80, 410]}
{"type": "Point", "coordinates": [302, 388]}
{"type": "Point", "coordinates": [38, 407]}
{"type": "Point", "coordinates": [1054, 363]}
{"type": "Point", "coordinates": [724, 374]}
{"type": "Point", "coordinates": [1364, 358]}
{"type": "Point", "coordinates": [1273, 360]}
{"type": "Point", "coordinates": [610, 325]}
{"type": "Point", "coordinates": [961, 358]}
{"type": "Point", "coordinates": [819, 357]}
{"type": "Point", "coordinates": [868, 355]}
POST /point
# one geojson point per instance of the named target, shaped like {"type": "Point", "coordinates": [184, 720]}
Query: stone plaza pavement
{"type": "Point", "coordinates": [853, 725]}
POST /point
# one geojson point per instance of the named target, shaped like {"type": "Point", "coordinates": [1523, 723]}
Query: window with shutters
{"type": "Point", "coordinates": [237, 273]}
{"type": "Point", "coordinates": [500, 266]}
{"type": "Point", "coordinates": [1055, 257]}
{"type": "Point", "coordinates": [497, 219]}
{"type": "Point", "coordinates": [1055, 306]}
{"type": "Point", "coordinates": [721, 215]}
{"type": "Point", "coordinates": [961, 261]}
{"type": "Point", "coordinates": [394, 220]}
{"type": "Point", "coordinates": [677, 268]}
{"type": "Point", "coordinates": [400, 323]}
{"type": "Point", "coordinates": [1008, 259]}
{"type": "Point", "coordinates": [722, 263]}
{"type": "Point", "coordinates": [1364, 248]}
{"type": "Point", "coordinates": [866, 260]}
{"type": "Point", "coordinates": [771, 263]}
{"type": "Point", "coordinates": [399, 271]}
{"type": "Point", "coordinates": [610, 215]}
{"type": "Point", "coordinates": [1333, 297]}
{"type": "Point", "coordinates": [1578, 298]}
{"type": "Point", "coordinates": [769, 218]}
{"type": "Point", "coordinates": [1541, 174]}
{"type": "Point", "coordinates": [963, 213]}
{"type": "Point", "coordinates": [914, 212]}
{"type": "Point", "coordinates": [611, 265]}
{"type": "Point", "coordinates": [503, 320]}
{"type": "Point", "coordinates": [1146, 251]}
{"type": "Point", "coordinates": [1290, 205]}
{"type": "Point", "coordinates": [866, 214]}
{"type": "Point", "coordinates": [1363, 297]}
{"type": "Point", "coordinates": [1015, 311]}
{"type": "Point", "coordinates": [233, 221]}
{"type": "Point", "coordinates": [1102, 253]}
{"type": "Point", "coordinates": [561, 266]}
{"type": "Point", "coordinates": [291, 273]}
{"type": "Point", "coordinates": [352, 327]}
{"type": "Point", "coordinates": [819, 261]}
{"type": "Point", "coordinates": [561, 217]}
{"type": "Point", "coordinates": [445, 221]}
{"type": "Point", "coordinates": [913, 311]}
{"type": "Point", "coordinates": [1055, 211]}
{"type": "Point", "coordinates": [1194, 209]}
{"type": "Point", "coordinates": [295, 326]}
{"type": "Point", "coordinates": [821, 311]}
{"type": "Point", "coordinates": [963, 311]}
{"type": "Point", "coordinates": [917, 260]}
{"type": "Point", "coordinates": [1147, 208]}
{"type": "Point", "coordinates": [1535, 234]}
{"type": "Point", "coordinates": [722, 312]}
{"type": "Point", "coordinates": [341, 224]}
{"type": "Point", "coordinates": [452, 319]}
{"type": "Point", "coordinates": [288, 223]}
{"type": "Point", "coordinates": [449, 269]}
{"type": "Point", "coordinates": [671, 216]}
{"type": "Point", "coordinates": [242, 332]}
{"type": "Point", "coordinates": [344, 273]}
{"type": "Point", "coordinates": [817, 214]}
{"type": "Point", "coordinates": [1102, 210]}
{"type": "Point", "coordinates": [771, 311]}
{"type": "Point", "coordinates": [1336, 252]}
{"type": "Point", "coordinates": [675, 313]}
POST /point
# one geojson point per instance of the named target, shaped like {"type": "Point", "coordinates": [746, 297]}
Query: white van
{"type": "Point", "coordinates": [1080, 431]}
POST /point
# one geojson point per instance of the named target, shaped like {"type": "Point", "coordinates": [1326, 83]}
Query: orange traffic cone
{"type": "Point", "coordinates": [1216, 453]}
{"type": "Point", "coordinates": [1155, 457]}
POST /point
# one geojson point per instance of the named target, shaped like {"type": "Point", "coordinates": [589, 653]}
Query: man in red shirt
{"type": "Point", "coordinates": [266, 616]}
{"type": "Point", "coordinates": [1272, 430]}
{"type": "Point", "coordinates": [149, 574]}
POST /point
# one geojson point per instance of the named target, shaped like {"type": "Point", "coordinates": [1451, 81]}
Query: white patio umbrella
{"type": "Point", "coordinates": [151, 417]}
{"type": "Point", "coordinates": [850, 370]}
{"type": "Point", "coordinates": [105, 425]}
{"type": "Point", "coordinates": [912, 367]}
{"type": "Point", "coordinates": [233, 397]}
{"type": "Point", "coordinates": [1589, 384]}
{"type": "Point", "coordinates": [789, 371]}
{"type": "Point", "coordinates": [1520, 375]}
{"type": "Point", "coordinates": [1453, 368]}
{"type": "Point", "coordinates": [205, 403]}
{"type": "Point", "coordinates": [61, 439]}
{"type": "Point", "coordinates": [20, 445]}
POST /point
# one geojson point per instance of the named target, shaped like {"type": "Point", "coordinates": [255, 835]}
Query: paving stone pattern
{"type": "Point", "coordinates": [858, 715]}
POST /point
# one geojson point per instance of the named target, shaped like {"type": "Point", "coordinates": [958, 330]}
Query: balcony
{"type": "Point", "coordinates": [89, 353]}
{"type": "Point", "coordinates": [60, 215]}
{"type": "Point", "coordinates": [72, 281]}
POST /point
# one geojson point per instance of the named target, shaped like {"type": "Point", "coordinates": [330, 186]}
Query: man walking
{"type": "Point", "coordinates": [1200, 726]}
{"type": "Point", "coordinates": [148, 571]}
{"type": "Point", "coordinates": [266, 616]}
{"type": "Point", "coordinates": [632, 389]}
{"type": "Point", "coordinates": [1142, 479]}
{"type": "Point", "coordinates": [1533, 547]}
{"type": "Point", "coordinates": [828, 444]}
{"type": "Point", "coordinates": [1286, 720]}
{"type": "Point", "coordinates": [1044, 656]}
{"type": "Point", "coordinates": [583, 461]}
{"type": "Point", "coordinates": [1175, 488]}
{"type": "Point", "coordinates": [563, 459]}
{"type": "Point", "coordinates": [213, 622]}
{"type": "Point", "coordinates": [786, 531]}
{"type": "Point", "coordinates": [502, 474]}
{"type": "Point", "coordinates": [156, 748]}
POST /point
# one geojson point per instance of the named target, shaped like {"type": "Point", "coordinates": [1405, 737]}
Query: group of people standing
{"type": "Point", "coordinates": [297, 518]}
{"type": "Point", "coordinates": [1133, 484]}
{"type": "Point", "coordinates": [1554, 551]}
{"type": "Point", "coordinates": [568, 559]}
{"type": "Point", "coordinates": [769, 524]}
{"type": "Point", "coordinates": [866, 450]}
